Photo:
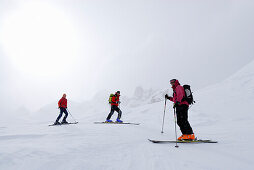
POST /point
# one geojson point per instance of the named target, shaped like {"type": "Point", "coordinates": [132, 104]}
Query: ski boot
{"type": "Point", "coordinates": [182, 137]}
{"type": "Point", "coordinates": [119, 121]}
{"type": "Point", "coordinates": [108, 121]}
{"type": "Point", "coordinates": [64, 122]}
{"type": "Point", "coordinates": [57, 123]}
{"type": "Point", "coordinates": [190, 137]}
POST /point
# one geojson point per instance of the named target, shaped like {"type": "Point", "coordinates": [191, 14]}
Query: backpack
{"type": "Point", "coordinates": [110, 98]}
{"type": "Point", "coordinates": [188, 94]}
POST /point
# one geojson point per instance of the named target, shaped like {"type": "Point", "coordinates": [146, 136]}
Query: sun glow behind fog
{"type": "Point", "coordinates": [40, 39]}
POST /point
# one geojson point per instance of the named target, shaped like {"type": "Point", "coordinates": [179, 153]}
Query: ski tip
{"type": "Point", "coordinates": [154, 141]}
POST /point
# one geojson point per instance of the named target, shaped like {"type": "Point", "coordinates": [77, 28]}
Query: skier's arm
{"type": "Point", "coordinates": [117, 100]}
{"type": "Point", "coordinates": [59, 103]}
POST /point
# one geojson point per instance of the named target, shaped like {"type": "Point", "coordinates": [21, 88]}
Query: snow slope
{"type": "Point", "coordinates": [222, 112]}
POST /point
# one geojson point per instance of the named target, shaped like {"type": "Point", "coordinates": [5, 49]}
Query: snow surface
{"type": "Point", "coordinates": [223, 112]}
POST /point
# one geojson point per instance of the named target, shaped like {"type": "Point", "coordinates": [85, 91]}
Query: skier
{"type": "Point", "coordinates": [114, 107]}
{"type": "Point", "coordinates": [62, 105]}
{"type": "Point", "coordinates": [181, 107]}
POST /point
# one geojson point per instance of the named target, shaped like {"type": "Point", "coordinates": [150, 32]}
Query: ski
{"type": "Point", "coordinates": [64, 124]}
{"type": "Point", "coordinates": [183, 141]}
{"type": "Point", "coordinates": [124, 123]}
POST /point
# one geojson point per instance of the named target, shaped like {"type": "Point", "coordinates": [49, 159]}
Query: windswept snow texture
{"type": "Point", "coordinates": [223, 112]}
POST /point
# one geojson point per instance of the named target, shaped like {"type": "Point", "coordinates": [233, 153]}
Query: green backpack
{"type": "Point", "coordinates": [110, 98]}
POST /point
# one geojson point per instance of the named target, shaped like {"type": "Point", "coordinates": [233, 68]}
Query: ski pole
{"type": "Point", "coordinates": [71, 115]}
{"type": "Point", "coordinates": [175, 127]}
{"type": "Point", "coordinates": [164, 115]}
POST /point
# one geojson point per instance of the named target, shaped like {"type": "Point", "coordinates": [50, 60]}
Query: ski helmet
{"type": "Point", "coordinates": [172, 81]}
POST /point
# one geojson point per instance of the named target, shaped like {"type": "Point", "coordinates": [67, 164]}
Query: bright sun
{"type": "Point", "coordinates": [39, 39]}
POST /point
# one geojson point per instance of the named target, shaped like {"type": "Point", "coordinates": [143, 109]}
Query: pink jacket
{"type": "Point", "coordinates": [179, 94]}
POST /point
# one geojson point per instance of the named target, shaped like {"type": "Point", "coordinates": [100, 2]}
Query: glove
{"type": "Point", "coordinates": [176, 104]}
{"type": "Point", "coordinates": [168, 97]}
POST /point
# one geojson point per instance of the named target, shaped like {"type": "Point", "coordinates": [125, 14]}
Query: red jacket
{"type": "Point", "coordinates": [115, 100]}
{"type": "Point", "coordinates": [179, 94]}
{"type": "Point", "coordinates": [62, 103]}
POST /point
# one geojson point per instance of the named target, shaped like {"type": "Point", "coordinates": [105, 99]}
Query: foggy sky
{"type": "Point", "coordinates": [125, 44]}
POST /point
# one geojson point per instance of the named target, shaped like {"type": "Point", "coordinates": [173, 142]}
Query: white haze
{"type": "Point", "coordinates": [125, 44]}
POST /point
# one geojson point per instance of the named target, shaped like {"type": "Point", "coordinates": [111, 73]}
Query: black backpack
{"type": "Point", "coordinates": [188, 94]}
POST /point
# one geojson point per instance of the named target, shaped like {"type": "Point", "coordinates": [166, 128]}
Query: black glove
{"type": "Point", "coordinates": [176, 104]}
{"type": "Point", "coordinates": [168, 97]}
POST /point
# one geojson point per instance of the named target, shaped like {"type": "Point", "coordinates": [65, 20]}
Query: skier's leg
{"type": "Point", "coordinates": [186, 124]}
{"type": "Point", "coordinates": [180, 119]}
{"type": "Point", "coordinates": [66, 115]}
{"type": "Point", "coordinates": [111, 113]}
{"type": "Point", "coordinates": [119, 113]}
{"type": "Point", "coordinates": [60, 115]}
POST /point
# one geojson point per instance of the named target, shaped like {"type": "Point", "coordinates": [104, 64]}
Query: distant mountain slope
{"type": "Point", "coordinates": [236, 93]}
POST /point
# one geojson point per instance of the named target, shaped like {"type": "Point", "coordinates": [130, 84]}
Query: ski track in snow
{"type": "Point", "coordinates": [113, 147]}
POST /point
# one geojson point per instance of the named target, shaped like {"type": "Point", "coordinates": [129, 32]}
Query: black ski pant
{"type": "Point", "coordinates": [62, 110]}
{"type": "Point", "coordinates": [182, 119]}
{"type": "Point", "coordinates": [113, 109]}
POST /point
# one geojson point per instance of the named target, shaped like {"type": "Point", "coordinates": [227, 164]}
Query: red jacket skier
{"type": "Point", "coordinates": [181, 106]}
{"type": "Point", "coordinates": [114, 107]}
{"type": "Point", "coordinates": [62, 104]}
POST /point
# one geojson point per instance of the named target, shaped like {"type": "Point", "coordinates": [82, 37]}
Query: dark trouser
{"type": "Point", "coordinates": [114, 108]}
{"type": "Point", "coordinates": [62, 110]}
{"type": "Point", "coordinates": [182, 119]}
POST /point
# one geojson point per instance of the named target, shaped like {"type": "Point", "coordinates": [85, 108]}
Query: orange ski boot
{"type": "Point", "coordinates": [182, 137]}
{"type": "Point", "coordinates": [189, 137]}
